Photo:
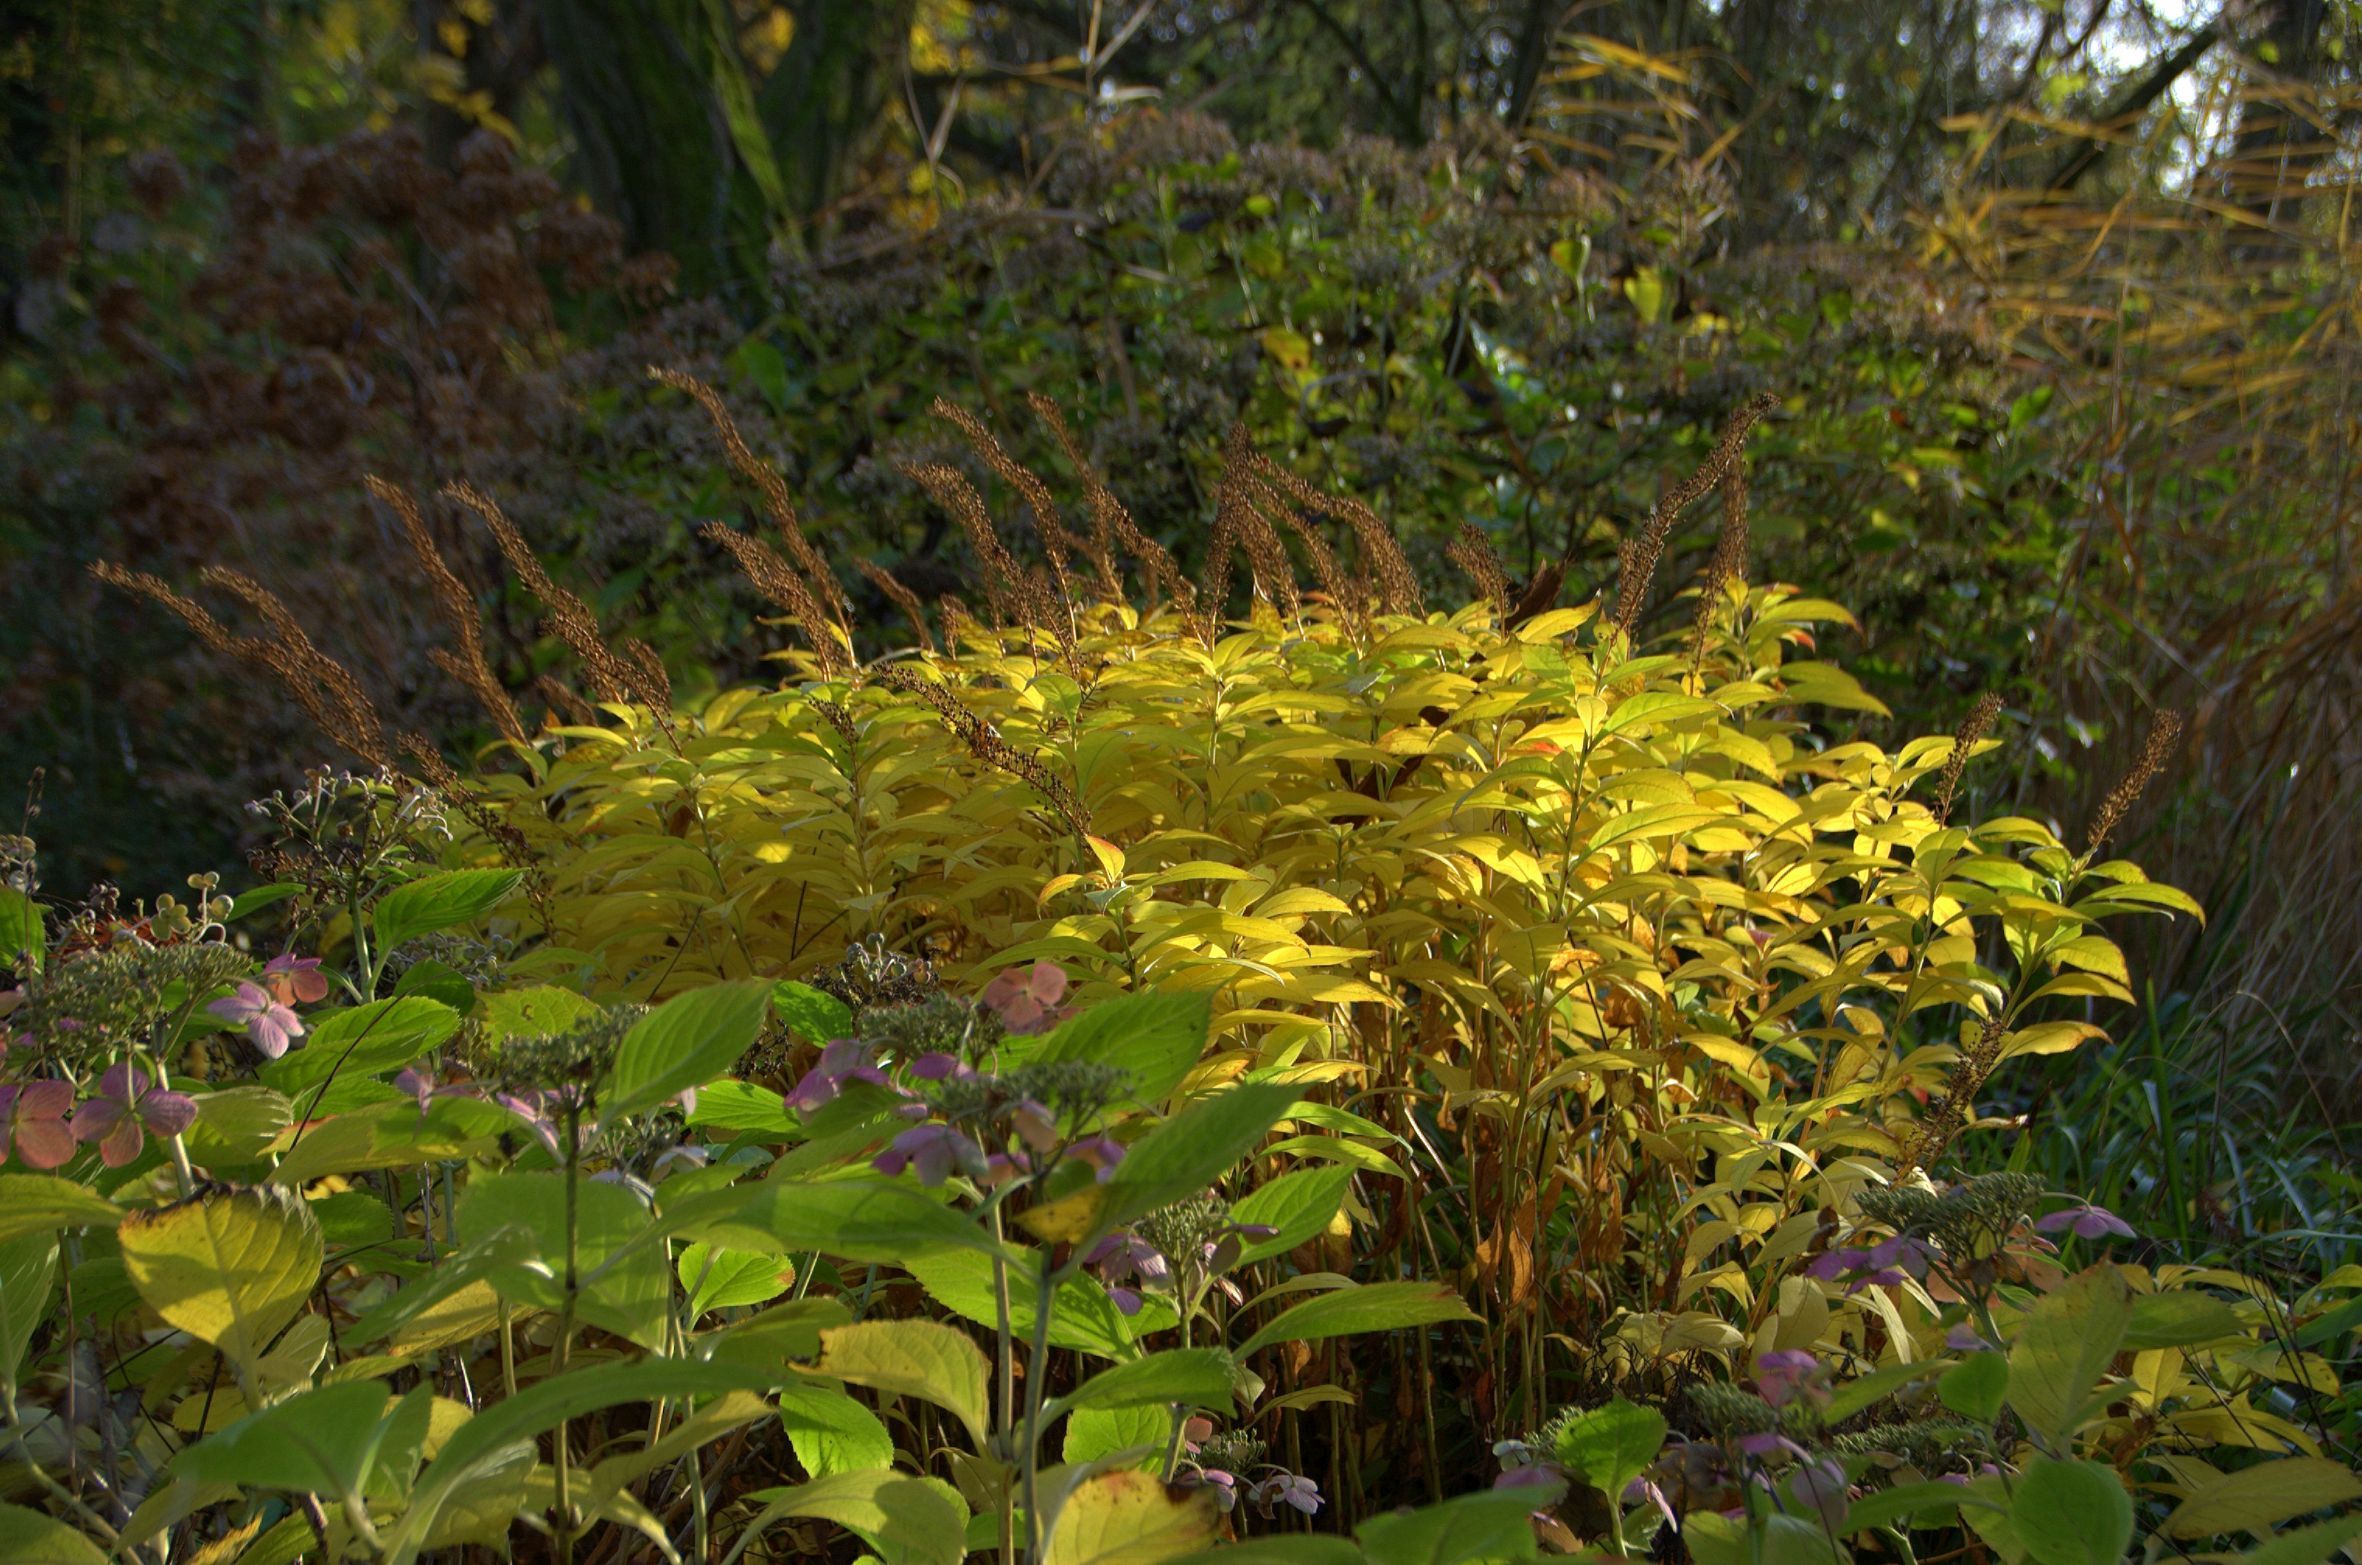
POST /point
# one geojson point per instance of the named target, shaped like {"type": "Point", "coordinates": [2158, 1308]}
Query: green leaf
{"type": "Point", "coordinates": [229, 1268]}
{"type": "Point", "coordinates": [2062, 1349]}
{"type": "Point", "coordinates": [2259, 1498]}
{"type": "Point", "coordinates": [1195, 1377]}
{"type": "Point", "coordinates": [1129, 1517]}
{"type": "Point", "coordinates": [1300, 1205]}
{"type": "Point", "coordinates": [30, 1536]}
{"type": "Point", "coordinates": [880, 1221]}
{"type": "Point", "coordinates": [28, 1274]}
{"type": "Point", "coordinates": [366, 1040]}
{"type": "Point", "coordinates": [1157, 1035]}
{"type": "Point", "coordinates": [912, 1358]}
{"type": "Point", "coordinates": [437, 981]}
{"type": "Point", "coordinates": [480, 1449]}
{"type": "Point", "coordinates": [23, 942]}
{"type": "Point", "coordinates": [811, 1014]}
{"type": "Point", "coordinates": [1490, 1525]}
{"type": "Point", "coordinates": [236, 1125]}
{"type": "Point", "coordinates": [1714, 1539]}
{"type": "Point", "coordinates": [685, 1042]}
{"type": "Point", "coordinates": [1179, 1158]}
{"type": "Point", "coordinates": [1374, 1306]}
{"type": "Point", "coordinates": [832, 1433]}
{"type": "Point", "coordinates": [908, 1521]}
{"type": "Point", "coordinates": [248, 903]}
{"type": "Point", "coordinates": [2071, 1513]}
{"type": "Point", "coordinates": [1284, 1548]}
{"type": "Point", "coordinates": [2180, 1319]}
{"type": "Point", "coordinates": [392, 1135]}
{"type": "Point", "coordinates": [320, 1441]}
{"type": "Point", "coordinates": [1609, 1446]}
{"type": "Point", "coordinates": [524, 1216]}
{"type": "Point", "coordinates": [44, 1203]}
{"type": "Point", "coordinates": [1975, 1386]}
{"type": "Point", "coordinates": [2314, 1545]}
{"type": "Point", "coordinates": [537, 1011]}
{"type": "Point", "coordinates": [1929, 1504]}
{"type": "Point", "coordinates": [443, 901]}
{"type": "Point", "coordinates": [1094, 1434]}
{"type": "Point", "coordinates": [1084, 1319]}
{"type": "Point", "coordinates": [742, 1106]}
{"type": "Point", "coordinates": [1852, 1396]}
{"type": "Point", "coordinates": [719, 1279]}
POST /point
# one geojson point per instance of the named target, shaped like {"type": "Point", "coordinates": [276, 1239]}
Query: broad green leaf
{"type": "Point", "coordinates": [1775, 1539]}
{"type": "Point", "coordinates": [876, 1220]}
{"type": "Point", "coordinates": [437, 981]}
{"type": "Point", "coordinates": [742, 1106]}
{"type": "Point", "coordinates": [229, 1268]}
{"type": "Point", "coordinates": [236, 1125]}
{"type": "Point", "coordinates": [1852, 1396]}
{"type": "Point", "coordinates": [1095, 1434]}
{"type": "Point", "coordinates": [908, 1521]}
{"type": "Point", "coordinates": [811, 1014]}
{"type": "Point", "coordinates": [1607, 1447]}
{"type": "Point", "coordinates": [391, 1135]}
{"type": "Point", "coordinates": [22, 942]}
{"type": "Point", "coordinates": [538, 1011]}
{"type": "Point", "coordinates": [1157, 1035]}
{"type": "Point", "coordinates": [441, 901]}
{"type": "Point", "coordinates": [1129, 1517]}
{"type": "Point", "coordinates": [2071, 1513]}
{"type": "Point", "coordinates": [784, 1331]}
{"type": "Point", "coordinates": [44, 1203]}
{"type": "Point", "coordinates": [474, 1462]}
{"type": "Point", "coordinates": [685, 1042]}
{"type": "Point", "coordinates": [2063, 1348]}
{"type": "Point", "coordinates": [2314, 1545]}
{"type": "Point", "coordinates": [28, 1276]}
{"type": "Point", "coordinates": [2180, 1319]}
{"type": "Point", "coordinates": [39, 1540]}
{"type": "Point", "coordinates": [1488, 1525]}
{"type": "Point", "coordinates": [1084, 1319]}
{"type": "Point", "coordinates": [1374, 1306]}
{"type": "Point", "coordinates": [524, 1214]}
{"type": "Point", "coordinates": [717, 1279]}
{"type": "Point", "coordinates": [1196, 1377]}
{"type": "Point", "coordinates": [831, 1432]}
{"type": "Point", "coordinates": [912, 1358]}
{"type": "Point", "coordinates": [2259, 1498]}
{"type": "Point", "coordinates": [1928, 1504]}
{"type": "Point", "coordinates": [1300, 1205]}
{"type": "Point", "coordinates": [320, 1441]}
{"type": "Point", "coordinates": [1180, 1158]}
{"type": "Point", "coordinates": [1277, 1548]}
{"type": "Point", "coordinates": [367, 1040]}
{"type": "Point", "coordinates": [1975, 1386]}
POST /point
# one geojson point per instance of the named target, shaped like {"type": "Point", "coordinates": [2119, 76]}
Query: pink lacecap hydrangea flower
{"type": "Point", "coordinates": [1026, 998]}
{"type": "Point", "coordinates": [295, 980]}
{"type": "Point", "coordinates": [127, 1104]}
{"type": "Point", "coordinates": [270, 1025]}
{"type": "Point", "coordinates": [33, 1123]}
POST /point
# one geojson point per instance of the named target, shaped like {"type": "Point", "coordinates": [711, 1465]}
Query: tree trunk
{"type": "Point", "coordinates": [2274, 151]}
{"type": "Point", "coordinates": [646, 90]}
{"type": "Point", "coordinates": [826, 106]}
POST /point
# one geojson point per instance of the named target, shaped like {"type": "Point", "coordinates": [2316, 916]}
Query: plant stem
{"type": "Point", "coordinates": [559, 1354]}
{"type": "Point", "coordinates": [1037, 1374]}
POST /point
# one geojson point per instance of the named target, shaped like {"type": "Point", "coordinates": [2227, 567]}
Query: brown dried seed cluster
{"type": "Point", "coordinates": [985, 743]}
{"type": "Point", "coordinates": [770, 485]}
{"type": "Point", "coordinates": [1947, 1116]}
{"type": "Point", "coordinates": [457, 605]}
{"type": "Point", "coordinates": [2164, 736]}
{"type": "Point", "coordinates": [1971, 733]}
{"type": "Point", "coordinates": [1474, 553]}
{"type": "Point", "coordinates": [323, 688]}
{"type": "Point", "coordinates": [1637, 560]}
